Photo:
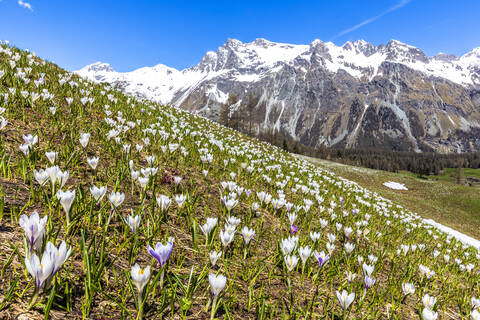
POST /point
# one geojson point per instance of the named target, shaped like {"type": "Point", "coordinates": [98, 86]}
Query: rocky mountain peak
{"type": "Point", "coordinates": [398, 51]}
{"type": "Point", "coordinates": [360, 46]}
{"type": "Point", "coordinates": [98, 67]}
{"type": "Point", "coordinates": [261, 42]}
{"type": "Point", "coordinates": [445, 57]}
{"type": "Point", "coordinates": [475, 53]}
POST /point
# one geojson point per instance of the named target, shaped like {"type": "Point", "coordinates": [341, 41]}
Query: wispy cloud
{"type": "Point", "coordinates": [25, 5]}
{"type": "Point", "coordinates": [399, 5]}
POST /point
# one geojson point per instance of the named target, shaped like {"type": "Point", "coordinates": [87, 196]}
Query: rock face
{"type": "Point", "coordinates": [390, 97]}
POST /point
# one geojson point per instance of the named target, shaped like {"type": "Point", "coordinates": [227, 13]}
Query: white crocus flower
{"type": "Point", "coordinates": [367, 269]}
{"type": "Point", "coordinates": [25, 148]}
{"type": "Point", "coordinates": [331, 237]}
{"type": "Point", "coordinates": [217, 283]}
{"type": "Point", "coordinates": [292, 217]}
{"type": "Point", "coordinates": [429, 301]}
{"type": "Point", "coordinates": [135, 174]}
{"type": "Point", "coordinates": [52, 174]}
{"type": "Point", "coordinates": [351, 276]}
{"type": "Point", "coordinates": [51, 156]}
{"type": "Point", "coordinates": [345, 299]}
{"type": "Point", "coordinates": [40, 270]}
{"type": "Point", "coordinates": [226, 237]}
{"type": "Point", "coordinates": [475, 315]}
{"type": "Point", "coordinates": [66, 199]}
{"type": "Point", "coordinates": [475, 303]}
{"type": "Point", "coordinates": [163, 202]}
{"type": "Point", "coordinates": [408, 288]}
{"type": "Point", "coordinates": [291, 262]}
{"type": "Point", "coordinates": [305, 253]}
{"type": "Point", "coordinates": [133, 222]}
{"type": "Point", "coordinates": [143, 181]}
{"type": "Point", "coordinates": [41, 176]}
{"type": "Point", "coordinates": [98, 193]}
{"type": "Point", "coordinates": [232, 220]}
{"type": "Point", "coordinates": [230, 203]}
{"type": "Point", "coordinates": [314, 236]}
{"type": "Point", "coordinates": [34, 228]}
{"type": "Point", "coordinates": [177, 180]}
{"type": "Point", "coordinates": [180, 200]}
{"type": "Point", "coordinates": [214, 255]}
{"type": "Point", "coordinates": [287, 246]}
{"type": "Point", "coordinates": [93, 162]}
{"type": "Point", "coordinates": [208, 226]}
{"type": "Point", "coordinates": [247, 234]}
{"type": "Point", "coordinates": [3, 123]}
{"type": "Point", "coordinates": [330, 247]}
{"type": "Point", "coordinates": [84, 139]}
{"type": "Point", "coordinates": [140, 276]}
{"type": "Point", "coordinates": [30, 140]}
{"type": "Point", "coordinates": [349, 247]}
{"type": "Point", "coordinates": [116, 198]}
{"type": "Point", "coordinates": [59, 256]}
{"type": "Point", "coordinates": [428, 314]}
{"type": "Point", "coordinates": [62, 177]}
{"type": "Point", "coordinates": [347, 231]}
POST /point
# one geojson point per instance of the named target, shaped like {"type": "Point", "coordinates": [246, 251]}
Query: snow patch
{"type": "Point", "coordinates": [457, 234]}
{"type": "Point", "coordinates": [395, 185]}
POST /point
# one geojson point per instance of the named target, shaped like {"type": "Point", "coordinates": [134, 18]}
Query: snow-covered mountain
{"type": "Point", "coordinates": [355, 95]}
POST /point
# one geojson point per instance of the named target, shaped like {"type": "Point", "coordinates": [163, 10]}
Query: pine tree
{"type": "Point", "coordinates": [252, 102]}
{"type": "Point", "coordinates": [224, 116]}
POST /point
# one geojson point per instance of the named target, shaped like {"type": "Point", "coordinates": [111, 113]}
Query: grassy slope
{"type": "Point", "coordinates": [94, 282]}
{"type": "Point", "coordinates": [449, 174]}
{"type": "Point", "coordinates": [448, 203]}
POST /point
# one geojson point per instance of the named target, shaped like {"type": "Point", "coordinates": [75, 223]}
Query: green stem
{"type": "Point", "coordinates": [214, 304]}
{"type": "Point", "coordinates": [161, 278]}
{"type": "Point", "coordinates": [34, 299]}
{"type": "Point", "coordinates": [140, 306]}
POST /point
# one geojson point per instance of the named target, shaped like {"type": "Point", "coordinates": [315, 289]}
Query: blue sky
{"type": "Point", "coordinates": [133, 34]}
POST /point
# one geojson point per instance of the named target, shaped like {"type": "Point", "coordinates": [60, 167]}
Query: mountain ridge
{"type": "Point", "coordinates": [419, 102]}
{"type": "Point", "coordinates": [359, 45]}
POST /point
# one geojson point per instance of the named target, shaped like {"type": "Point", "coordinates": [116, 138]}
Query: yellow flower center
{"type": "Point", "coordinates": [141, 271]}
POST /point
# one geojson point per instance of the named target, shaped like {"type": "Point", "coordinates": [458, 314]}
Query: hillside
{"type": "Point", "coordinates": [161, 173]}
{"type": "Point", "coordinates": [358, 95]}
{"type": "Point", "coordinates": [434, 197]}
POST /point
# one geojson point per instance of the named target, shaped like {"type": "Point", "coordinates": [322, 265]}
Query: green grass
{"type": "Point", "coordinates": [436, 197]}
{"type": "Point", "coordinates": [449, 174]}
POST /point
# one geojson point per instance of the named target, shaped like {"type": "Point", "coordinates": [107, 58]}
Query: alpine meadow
{"type": "Point", "coordinates": [113, 207]}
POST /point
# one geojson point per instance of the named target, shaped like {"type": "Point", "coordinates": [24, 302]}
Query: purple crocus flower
{"type": "Point", "coordinates": [369, 282]}
{"type": "Point", "coordinates": [321, 257]}
{"type": "Point", "coordinates": [161, 253]}
{"type": "Point", "coordinates": [293, 229]}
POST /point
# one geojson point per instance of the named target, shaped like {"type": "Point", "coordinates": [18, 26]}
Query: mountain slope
{"type": "Point", "coordinates": [356, 96]}
{"type": "Point", "coordinates": [115, 177]}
